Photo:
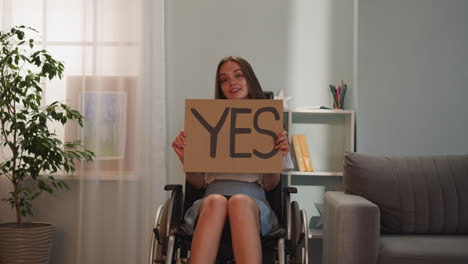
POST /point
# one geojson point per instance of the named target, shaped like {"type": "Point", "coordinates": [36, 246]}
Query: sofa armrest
{"type": "Point", "coordinates": [351, 232]}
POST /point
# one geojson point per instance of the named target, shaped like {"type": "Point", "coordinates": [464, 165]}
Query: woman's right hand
{"type": "Point", "coordinates": [179, 144]}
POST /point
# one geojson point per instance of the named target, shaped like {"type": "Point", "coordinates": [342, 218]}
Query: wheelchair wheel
{"type": "Point", "coordinates": [296, 238]}
{"type": "Point", "coordinates": [159, 237]}
{"type": "Point", "coordinates": [162, 227]}
{"type": "Point", "coordinates": [155, 247]}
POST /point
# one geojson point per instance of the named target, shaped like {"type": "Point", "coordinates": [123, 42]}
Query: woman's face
{"type": "Point", "coordinates": [233, 83]}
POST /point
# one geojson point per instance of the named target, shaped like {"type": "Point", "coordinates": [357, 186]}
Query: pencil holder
{"type": "Point", "coordinates": [335, 106]}
{"type": "Point", "coordinates": [338, 93]}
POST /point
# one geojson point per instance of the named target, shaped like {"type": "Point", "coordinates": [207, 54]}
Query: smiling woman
{"type": "Point", "coordinates": [233, 83]}
{"type": "Point", "coordinates": [237, 197]}
{"type": "Point", "coordinates": [235, 79]}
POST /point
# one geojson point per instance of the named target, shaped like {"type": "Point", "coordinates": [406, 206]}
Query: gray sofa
{"type": "Point", "coordinates": [398, 210]}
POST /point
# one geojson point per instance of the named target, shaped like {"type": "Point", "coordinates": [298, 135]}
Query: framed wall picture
{"type": "Point", "coordinates": [104, 123]}
{"type": "Point", "coordinates": [108, 105]}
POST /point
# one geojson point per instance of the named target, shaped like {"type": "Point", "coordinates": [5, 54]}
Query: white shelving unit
{"type": "Point", "coordinates": [329, 134]}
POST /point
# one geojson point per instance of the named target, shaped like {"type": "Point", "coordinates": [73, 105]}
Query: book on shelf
{"type": "Point", "coordinates": [298, 152]}
{"type": "Point", "coordinates": [305, 153]}
{"type": "Point", "coordinates": [301, 152]}
{"type": "Point", "coordinates": [293, 156]}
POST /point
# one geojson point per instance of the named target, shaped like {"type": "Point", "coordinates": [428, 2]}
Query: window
{"type": "Point", "coordinates": [99, 43]}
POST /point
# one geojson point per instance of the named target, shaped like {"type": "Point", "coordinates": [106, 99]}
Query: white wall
{"type": "Point", "coordinates": [412, 87]}
{"type": "Point", "coordinates": [320, 49]}
{"type": "Point", "coordinates": [298, 45]}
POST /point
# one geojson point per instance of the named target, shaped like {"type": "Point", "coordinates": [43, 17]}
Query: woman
{"type": "Point", "coordinates": [238, 197]}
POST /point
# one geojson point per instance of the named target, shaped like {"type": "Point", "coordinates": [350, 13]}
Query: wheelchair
{"type": "Point", "coordinates": [170, 245]}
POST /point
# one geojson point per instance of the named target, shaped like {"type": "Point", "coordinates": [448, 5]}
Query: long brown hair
{"type": "Point", "coordinates": [255, 90]}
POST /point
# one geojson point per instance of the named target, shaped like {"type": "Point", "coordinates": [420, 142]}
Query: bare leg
{"type": "Point", "coordinates": [211, 219]}
{"type": "Point", "coordinates": [245, 229]}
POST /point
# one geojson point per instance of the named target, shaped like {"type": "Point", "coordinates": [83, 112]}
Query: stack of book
{"type": "Point", "coordinates": [301, 153]}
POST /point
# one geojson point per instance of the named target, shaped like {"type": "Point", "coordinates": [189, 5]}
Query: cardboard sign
{"type": "Point", "coordinates": [233, 136]}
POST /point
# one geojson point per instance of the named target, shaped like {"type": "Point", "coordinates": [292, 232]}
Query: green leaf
{"type": "Point", "coordinates": [35, 148]}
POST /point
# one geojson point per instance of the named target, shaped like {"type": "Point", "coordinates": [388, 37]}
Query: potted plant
{"type": "Point", "coordinates": [32, 153]}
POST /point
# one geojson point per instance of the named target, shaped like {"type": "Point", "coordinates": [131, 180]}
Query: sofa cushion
{"type": "Point", "coordinates": [415, 195]}
{"type": "Point", "coordinates": [416, 249]}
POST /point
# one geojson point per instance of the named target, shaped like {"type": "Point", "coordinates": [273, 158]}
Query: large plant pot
{"type": "Point", "coordinates": [31, 243]}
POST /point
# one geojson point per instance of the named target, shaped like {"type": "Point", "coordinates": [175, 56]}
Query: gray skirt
{"type": "Point", "coordinates": [268, 221]}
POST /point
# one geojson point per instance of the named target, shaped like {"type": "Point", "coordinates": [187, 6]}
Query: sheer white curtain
{"type": "Point", "coordinates": [113, 51]}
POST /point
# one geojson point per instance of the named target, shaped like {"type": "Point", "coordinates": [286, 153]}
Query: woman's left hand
{"type": "Point", "coordinates": [282, 143]}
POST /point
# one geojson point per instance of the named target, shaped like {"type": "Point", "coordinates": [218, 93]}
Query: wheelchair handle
{"type": "Point", "coordinates": [290, 189]}
{"type": "Point", "coordinates": [173, 187]}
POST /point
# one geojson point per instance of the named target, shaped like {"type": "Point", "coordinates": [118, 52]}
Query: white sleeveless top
{"type": "Point", "coordinates": [244, 177]}
{"type": "Point", "coordinates": [209, 177]}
